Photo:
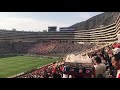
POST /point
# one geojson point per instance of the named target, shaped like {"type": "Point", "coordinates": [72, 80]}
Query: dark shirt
{"type": "Point", "coordinates": [58, 76]}
{"type": "Point", "coordinates": [115, 72]}
{"type": "Point", "coordinates": [54, 75]}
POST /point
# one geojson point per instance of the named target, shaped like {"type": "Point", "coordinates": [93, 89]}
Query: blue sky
{"type": "Point", "coordinates": [38, 21]}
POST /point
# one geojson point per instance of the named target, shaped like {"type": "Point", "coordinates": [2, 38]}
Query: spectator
{"type": "Point", "coordinates": [103, 59]}
{"type": "Point", "coordinates": [100, 68]}
{"type": "Point", "coordinates": [116, 64]}
{"type": "Point", "coordinates": [100, 58]}
{"type": "Point", "coordinates": [59, 74]}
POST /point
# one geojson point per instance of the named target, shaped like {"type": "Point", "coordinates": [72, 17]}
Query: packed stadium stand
{"type": "Point", "coordinates": [58, 69]}
{"type": "Point", "coordinates": [43, 48]}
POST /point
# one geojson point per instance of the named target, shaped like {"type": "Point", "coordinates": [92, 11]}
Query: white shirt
{"type": "Point", "coordinates": [100, 69]}
{"type": "Point", "coordinates": [118, 73]}
{"type": "Point", "coordinates": [116, 50]}
{"type": "Point", "coordinates": [65, 76]}
{"type": "Point", "coordinates": [70, 76]}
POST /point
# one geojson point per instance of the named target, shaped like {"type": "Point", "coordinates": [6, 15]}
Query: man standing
{"type": "Point", "coordinates": [116, 63]}
{"type": "Point", "coordinates": [100, 68]}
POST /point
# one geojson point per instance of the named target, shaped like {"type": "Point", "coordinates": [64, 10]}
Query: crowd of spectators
{"type": "Point", "coordinates": [49, 48]}
{"type": "Point", "coordinates": [105, 58]}
{"type": "Point", "coordinates": [106, 64]}
{"type": "Point", "coordinates": [54, 70]}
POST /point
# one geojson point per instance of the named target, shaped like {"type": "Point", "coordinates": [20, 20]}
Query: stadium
{"type": "Point", "coordinates": [37, 54]}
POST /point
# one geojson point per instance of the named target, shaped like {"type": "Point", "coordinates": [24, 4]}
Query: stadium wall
{"type": "Point", "coordinates": [104, 34]}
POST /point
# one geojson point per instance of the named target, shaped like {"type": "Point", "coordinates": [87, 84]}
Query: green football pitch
{"type": "Point", "coordinates": [10, 66]}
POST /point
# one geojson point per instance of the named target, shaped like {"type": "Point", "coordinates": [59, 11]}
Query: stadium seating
{"type": "Point", "coordinates": [57, 68]}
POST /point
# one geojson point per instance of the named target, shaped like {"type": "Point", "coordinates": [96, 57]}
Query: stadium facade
{"type": "Point", "coordinates": [104, 34]}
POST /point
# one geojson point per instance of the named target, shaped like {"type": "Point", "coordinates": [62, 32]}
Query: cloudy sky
{"type": "Point", "coordinates": [38, 21]}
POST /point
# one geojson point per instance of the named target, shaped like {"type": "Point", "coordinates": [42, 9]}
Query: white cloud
{"type": "Point", "coordinates": [28, 24]}
{"type": "Point", "coordinates": [8, 21]}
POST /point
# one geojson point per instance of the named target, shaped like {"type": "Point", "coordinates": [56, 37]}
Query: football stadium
{"type": "Point", "coordinates": [88, 49]}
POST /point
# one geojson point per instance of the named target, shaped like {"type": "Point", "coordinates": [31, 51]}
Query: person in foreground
{"type": "Point", "coordinates": [100, 68]}
{"type": "Point", "coordinates": [116, 64]}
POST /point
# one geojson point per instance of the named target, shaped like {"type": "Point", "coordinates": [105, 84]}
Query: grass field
{"type": "Point", "coordinates": [14, 65]}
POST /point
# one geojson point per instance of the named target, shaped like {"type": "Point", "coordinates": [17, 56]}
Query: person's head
{"type": "Point", "coordinates": [116, 61]}
{"type": "Point", "coordinates": [106, 49]}
{"type": "Point", "coordinates": [98, 52]}
{"type": "Point", "coordinates": [97, 60]}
